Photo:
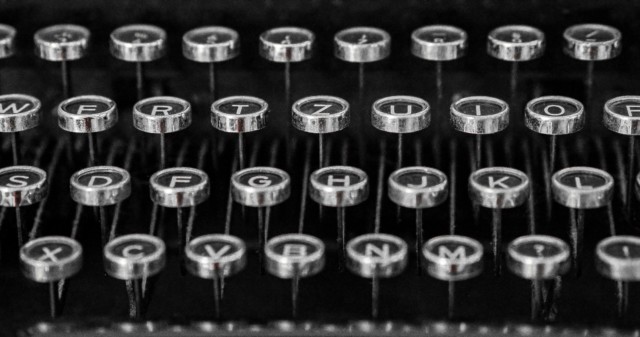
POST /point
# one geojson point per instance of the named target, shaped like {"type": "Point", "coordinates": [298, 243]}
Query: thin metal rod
{"type": "Point", "coordinates": [514, 79]}
{"type": "Point", "coordinates": [66, 79]}
{"type": "Point", "coordinates": [320, 150]}
{"type": "Point", "coordinates": [589, 78]}
{"type": "Point", "coordinates": [180, 229]}
{"type": "Point", "coordinates": [399, 151]}
{"type": "Point", "coordinates": [630, 180]}
{"type": "Point", "coordinates": [140, 80]}
{"type": "Point", "coordinates": [261, 235]}
{"type": "Point", "coordinates": [553, 147]}
{"type": "Point", "coordinates": [375, 294]}
{"type": "Point", "coordinates": [478, 151]}
{"type": "Point", "coordinates": [137, 293]}
{"type": "Point", "coordinates": [19, 226]}
{"type": "Point", "coordinates": [439, 79]}
{"type": "Point", "coordinates": [497, 240]}
{"type": "Point", "coordinates": [305, 187]}
{"type": "Point", "coordinates": [216, 294]}
{"type": "Point", "coordinates": [103, 225]}
{"type": "Point", "coordinates": [295, 287]}
{"type": "Point", "coordinates": [53, 301]}
{"type": "Point", "coordinates": [361, 79]}
{"type": "Point", "coordinates": [212, 81]}
{"type": "Point", "coordinates": [241, 150]}
{"type": "Point", "coordinates": [419, 240]}
{"type": "Point", "coordinates": [14, 148]}
{"type": "Point", "coordinates": [163, 153]}
{"type": "Point", "coordinates": [92, 149]}
{"type": "Point", "coordinates": [287, 82]}
{"type": "Point", "coordinates": [341, 235]}
{"type": "Point", "coordinates": [451, 299]}
{"type": "Point", "coordinates": [623, 298]}
{"type": "Point", "coordinates": [452, 188]}
{"type": "Point", "coordinates": [577, 231]}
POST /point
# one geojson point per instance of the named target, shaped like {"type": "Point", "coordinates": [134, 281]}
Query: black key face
{"type": "Point", "coordinates": [321, 108]}
{"type": "Point", "coordinates": [287, 37]}
{"type": "Point", "coordinates": [517, 35]}
{"type": "Point", "coordinates": [217, 249]}
{"type": "Point", "coordinates": [260, 179]}
{"type": "Point", "coordinates": [401, 108]}
{"type": "Point", "coordinates": [134, 249]}
{"type": "Point", "coordinates": [14, 105]}
{"type": "Point", "coordinates": [627, 107]}
{"type": "Point", "coordinates": [161, 108]}
{"type": "Point", "coordinates": [339, 179]}
{"type": "Point", "coordinates": [138, 34]}
{"type": "Point", "coordinates": [593, 34]}
{"type": "Point", "coordinates": [361, 37]}
{"type": "Point", "coordinates": [379, 249]}
{"type": "Point", "coordinates": [555, 108]}
{"type": "Point", "coordinates": [50, 252]}
{"type": "Point", "coordinates": [453, 250]}
{"type": "Point", "coordinates": [539, 249]}
{"type": "Point", "coordinates": [440, 35]}
{"type": "Point", "coordinates": [480, 108]}
{"type": "Point", "coordinates": [583, 180]}
{"type": "Point", "coordinates": [20, 179]}
{"type": "Point", "coordinates": [179, 179]}
{"type": "Point", "coordinates": [622, 249]}
{"type": "Point", "coordinates": [295, 248]}
{"type": "Point", "coordinates": [100, 179]}
{"type": "Point", "coordinates": [86, 107]}
{"type": "Point", "coordinates": [499, 180]}
{"type": "Point", "coordinates": [418, 179]}
{"type": "Point", "coordinates": [240, 107]}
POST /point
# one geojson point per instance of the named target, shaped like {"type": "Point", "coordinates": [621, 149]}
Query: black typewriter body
{"type": "Point", "coordinates": [335, 301]}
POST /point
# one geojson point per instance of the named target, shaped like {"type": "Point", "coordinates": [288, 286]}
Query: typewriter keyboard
{"type": "Point", "coordinates": [319, 168]}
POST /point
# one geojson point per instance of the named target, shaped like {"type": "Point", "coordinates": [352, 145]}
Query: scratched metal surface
{"type": "Point", "coordinates": [94, 301]}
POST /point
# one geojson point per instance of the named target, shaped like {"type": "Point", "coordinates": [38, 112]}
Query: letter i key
{"type": "Point", "coordinates": [261, 187]}
{"type": "Point", "coordinates": [339, 186]}
{"type": "Point", "coordinates": [100, 186]}
{"type": "Point", "coordinates": [498, 188]}
{"type": "Point", "coordinates": [18, 113]}
{"type": "Point", "coordinates": [580, 188]}
{"type": "Point", "coordinates": [88, 114]}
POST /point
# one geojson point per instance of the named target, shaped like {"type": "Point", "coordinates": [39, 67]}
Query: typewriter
{"type": "Point", "coordinates": [319, 168]}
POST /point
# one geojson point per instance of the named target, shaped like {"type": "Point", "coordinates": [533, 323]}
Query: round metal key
{"type": "Point", "coordinates": [622, 115]}
{"type": "Point", "coordinates": [179, 187]}
{"type": "Point", "coordinates": [516, 43]}
{"type": "Point", "coordinates": [362, 44]}
{"type": "Point", "coordinates": [294, 255]}
{"type": "Point", "coordinates": [100, 186]}
{"type": "Point", "coordinates": [22, 186]}
{"type": "Point", "coordinates": [618, 258]}
{"type": "Point", "coordinates": [320, 114]}
{"type": "Point", "coordinates": [211, 44]}
{"type": "Point", "coordinates": [439, 43]}
{"type": "Point", "coordinates": [499, 187]}
{"type": "Point", "coordinates": [418, 187]}
{"type": "Point", "coordinates": [138, 43]}
{"type": "Point", "coordinates": [163, 114]}
{"type": "Point", "coordinates": [260, 186]}
{"type": "Point", "coordinates": [582, 187]}
{"type": "Point", "coordinates": [62, 42]}
{"type": "Point", "coordinates": [215, 255]}
{"type": "Point", "coordinates": [287, 44]}
{"type": "Point", "coordinates": [377, 255]}
{"type": "Point", "coordinates": [50, 258]}
{"type": "Point", "coordinates": [7, 41]}
{"type": "Point", "coordinates": [87, 114]}
{"type": "Point", "coordinates": [554, 115]}
{"type": "Point", "coordinates": [134, 256]}
{"type": "Point", "coordinates": [479, 115]}
{"type": "Point", "coordinates": [339, 186]}
{"type": "Point", "coordinates": [400, 114]}
{"type": "Point", "coordinates": [453, 257]}
{"type": "Point", "coordinates": [239, 114]}
{"type": "Point", "coordinates": [592, 42]}
{"type": "Point", "coordinates": [19, 112]}
{"type": "Point", "coordinates": [538, 257]}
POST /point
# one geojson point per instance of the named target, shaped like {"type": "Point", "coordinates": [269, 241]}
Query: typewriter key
{"type": "Point", "coordinates": [498, 188]}
{"type": "Point", "coordinates": [161, 115]}
{"type": "Point", "coordinates": [210, 45]}
{"type": "Point", "coordinates": [622, 115]}
{"type": "Point", "coordinates": [581, 188]}
{"type": "Point", "coordinates": [62, 43]}
{"type": "Point", "coordinates": [138, 43]}
{"type": "Point", "coordinates": [294, 256]}
{"type": "Point", "coordinates": [87, 114]}
{"type": "Point", "coordinates": [18, 113]}
{"type": "Point", "coordinates": [592, 42]}
{"type": "Point", "coordinates": [179, 187]}
{"type": "Point", "coordinates": [376, 256]}
{"type": "Point", "coordinates": [100, 186]}
{"type": "Point", "coordinates": [261, 187]}
{"type": "Point", "coordinates": [7, 41]}
{"type": "Point", "coordinates": [135, 258]}
{"type": "Point", "coordinates": [400, 114]}
{"type": "Point", "coordinates": [239, 114]}
{"type": "Point", "coordinates": [453, 258]}
{"type": "Point", "coordinates": [362, 45]}
{"type": "Point", "coordinates": [22, 186]}
{"type": "Point", "coordinates": [618, 258]}
{"type": "Point", "coordinates": [516, 43]}
{"type": "Point", "coordinates": [554, 115]}
{"type": "Point", "coordinates": [479, 115]}
{"type": "Point", "coordinates": [215, 256]}
{"type": "Point", "coordinates": [439, 43]}
{"type": "Point", "coordinates": [339, 186]}
{"type": "Point", "coordinates": [50, 259]}
{"type": "Point", "coordinates": [286, 45]}
{"type": "Point", "coordinates": [320, 114]}
{"type": "Point", "coordinates": [418, 187]}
